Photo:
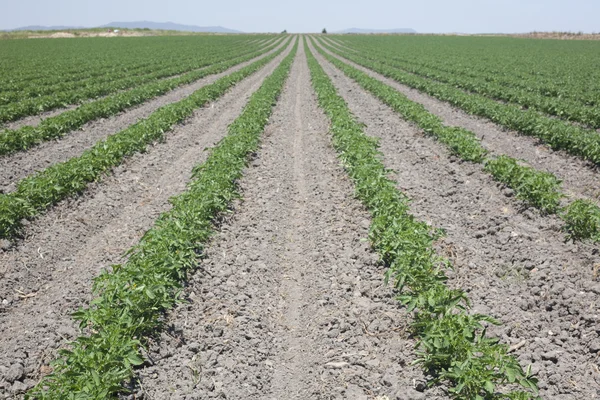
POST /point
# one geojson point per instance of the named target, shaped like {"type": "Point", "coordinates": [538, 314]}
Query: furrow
{"type": "Point", "coordinates": [289, 302]}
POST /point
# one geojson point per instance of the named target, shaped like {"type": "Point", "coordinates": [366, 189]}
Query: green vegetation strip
{"type": "Point", "coordinates": [41, 88]}
{"type": "Point", "coordinates": [537, 188]}
{"type": "Point", "coordinates": [452, 343]}
{"type": "Point", "coordinates": [46, 188]}
{"type": "Point", "coordinates": [559, 135]}
{"type": "Point", "coordinates": [559, 106]}
{"type": "Point", "coordinates": [51, 128]}
{"type": "Point", "coordinates": [97, 88]}
{"type": "Point", "coordinates": [133, 297]}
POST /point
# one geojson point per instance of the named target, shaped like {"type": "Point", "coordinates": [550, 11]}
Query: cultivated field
{"type": "Point", "coordinates": [299, 217]}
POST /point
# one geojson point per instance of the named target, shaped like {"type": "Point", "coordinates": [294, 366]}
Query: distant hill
{"type": "Point", "coordinates": [45, 28]}
{"type": "Point", "coordinates": [358, 30]}
{"type": "Point", "coordinates": [169, 26]}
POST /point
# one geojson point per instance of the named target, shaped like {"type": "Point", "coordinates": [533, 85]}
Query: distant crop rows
{"type": "Point", "coordinates": [36, 193]}
{"type": "Point", "coordinates": [550, 68]}
{"type": "Point", "coordinates": [42, 95]}
{"type": "Point", "coordinates": [560, 134]}
{"type": "Point", "coordinates": [540, 189]}
{"type": "Point", "coordinates": [12, 140]}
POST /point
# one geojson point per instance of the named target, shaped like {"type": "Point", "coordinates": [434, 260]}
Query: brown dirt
{"type": "Point", "coordinates": [513, 262]}
{"type": "Point", "coordinates": [48, 275]}
{"type": "Point", "coordinates": [289, 303]}
{"type": "Point", "coordinates": [19, 165]}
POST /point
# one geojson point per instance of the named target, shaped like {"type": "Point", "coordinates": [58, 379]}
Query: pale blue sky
{"type": "Point", "coordinates": [468, 16]}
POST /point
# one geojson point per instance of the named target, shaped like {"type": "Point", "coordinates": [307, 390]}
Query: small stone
{"type": "Point", "coordinates": [337, 365]}
{"type": "Point", "coordinates": [412, 394]}
{"type": "Point", "coordinates": [421, 386]}
{"type": "Point", "coordinates": [568, 293]}
{"type": "Point", "coordinates": [550, 356]}
{"type": "Point", "coordinates": [194, 347]}
{"type": "Point", "coordinates": [595, 346]}
{"type": "Point", "coordinates": [508, 192]}
{"type": "Point", "coordinates": [19, 387]}
{"type": "Point", "coordinates": [558, 288]}
{"type": "Point", "coordinates": [14, 373]}
{"type": "Point", "coordinates": [554, 379]}
{"type": "Point", "coordinates": [373, 363]}
{"type": "Point", "coordinates": [4, 244]}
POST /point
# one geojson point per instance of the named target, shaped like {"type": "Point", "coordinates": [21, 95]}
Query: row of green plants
{"type": "Point", "coordinates": [558, 134]}
{"type": "Point", "coordinates": [152, 66]}
{"type": "Point", "coordinates": [553, 69]}
{"type": "Point", "coordinates": [452, 345]}
{"type": "Point", "coordinates": [539, 189]}
{"type": "Point", "coordinates": [563, 108]}
{"type": "Point", "coordinates": [13, 140]}
{"type": "Point", "coordinates": [46, 62]}
{"type": "Point", "coordinates": [95, 89]}
{"type": "Point", "coordinates": [131, 300]}
{"type": "Point", "coordinates": [60, 65]}
{"type": "Point", "coordinates": [37, 192]}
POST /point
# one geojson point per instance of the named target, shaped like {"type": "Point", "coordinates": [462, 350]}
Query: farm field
{"type": "Point", "coordinates": [299, 217]}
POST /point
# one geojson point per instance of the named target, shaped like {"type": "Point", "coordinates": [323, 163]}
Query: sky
{"type": "Point", "coordinates": [425, 16]}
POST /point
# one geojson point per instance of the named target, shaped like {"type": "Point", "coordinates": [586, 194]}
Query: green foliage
{"type": "Point", "coordinates": [452, 342]}
{"type": "Point", "coordinates": [582, 219]}
{"type": "Point", "coordinates": [36, 98]}
{"type": "Point", "coordinates": [538, 188]}
{"type": "Point", "coordinates": [509, 89]}
{"type": "Point", "coordinates": [461, 142]}
{"type": "Point", "coordinates": [54, 127]}
{"type": "Point", "coordinates": [560, 135]}
{"type": "Point", "coordinates": [133, 297]}
{"type": "Point", "coordinates": [47, 187]}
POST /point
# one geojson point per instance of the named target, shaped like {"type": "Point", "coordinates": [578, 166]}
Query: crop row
{"type": "Point", "coordinates": [43, 89]}
{"type": "Point", "coordinates": [540, 189]}
{"type": "Point", "coordinates": [563, 108]}
{"type": "Point", "coordinates": [540, 67]}
{"type": "Point", "coordinates": [452, 343]}
{"type": "Point", "coordinates": [36, 193]}
{"type": "Point", "coordinates": [54, 127]}
{"type": "Point", "coordinates": [132, 299]}
{"type": "Point", "coordinates": [559, 135]}
{"type": "Point", "coordinates": [36, 105]}
{"type": "Point", "coordinates": [37, 63]}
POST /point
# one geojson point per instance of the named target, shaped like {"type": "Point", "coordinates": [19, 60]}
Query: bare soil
{"type": "Point", "coordinates": [48, 275]}
{"type": "Point", "coordinates": [513, 262]}
{"type": "Point", "coordinates": [33, 120]}
{"type": "Point", "coordinates": [19, 165]}
{"type": "Point", "coordinates": [289, 302]}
